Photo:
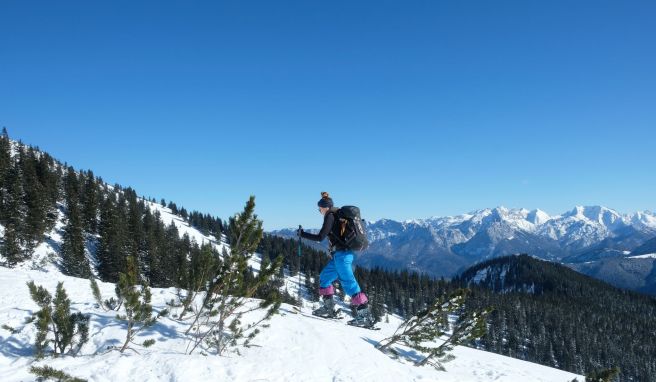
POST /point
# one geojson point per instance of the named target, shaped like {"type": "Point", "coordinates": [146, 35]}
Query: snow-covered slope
{"type": "Point", "coordinates": [46, 254]}
{"type": "Point", "coordinates": [168, 218]}
{"type": "Point", "coordinates": [294, 348]}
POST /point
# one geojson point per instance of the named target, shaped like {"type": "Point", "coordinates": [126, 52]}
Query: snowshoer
{"type": "Point", "coordinates": [339, 267]}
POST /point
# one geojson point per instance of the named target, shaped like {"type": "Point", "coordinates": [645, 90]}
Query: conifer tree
{"type": "Point", "coordinates": [5, 168]}
{"type": "Point", "coordinates": [138, 313]}
{"type": "Point", "coordinates": [606, 375]}
{"type": "Point", "coordinates": [218, 323]}
{"type": "Point", "coordinates": [9, 247]}
{"type": "Point", "coordinates": [49, 177]}
{"type": "Point", "coordinates": [74, 260]}
{"type": "Point", "coordinates": [69, 330]}
{"type": "Point", "coordinates": [90, 204]}
{"type": "Point", "coordinates": [423, 331]}
{"type": "Point", "coordinates": [35, 201]}
{"type": "Point", "coordinates": [13, 210]}
{"type": "Point", "coordinates": [44, 373]}
{"type": "Point", "coordinates": [111, 252]}
{"type": "Point", "coordinates": [180, 257]}
{"type": "Point", "coordinates": [150, 264]}
{"type": "Point", "coordinates": [5, 155]}
{"type": "Point", "coordinates": [135, 231]}
{"type": "Point", "coordinates": [201, 269]}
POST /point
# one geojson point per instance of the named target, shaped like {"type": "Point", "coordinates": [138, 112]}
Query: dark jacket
{"type": "Point", "coordinates": [329, 225]}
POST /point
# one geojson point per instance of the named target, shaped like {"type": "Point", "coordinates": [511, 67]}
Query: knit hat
{"type": "Point", "coordinates": [325, 201]}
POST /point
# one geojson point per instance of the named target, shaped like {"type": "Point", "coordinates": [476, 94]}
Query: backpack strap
{"type": "Point", "coordinates": [334, 238]}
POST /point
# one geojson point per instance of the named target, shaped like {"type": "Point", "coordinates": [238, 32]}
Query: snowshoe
{"type": "Point", "coordinates": [362, 317]}
{"type": "Point", "coordinates": [327, 310]}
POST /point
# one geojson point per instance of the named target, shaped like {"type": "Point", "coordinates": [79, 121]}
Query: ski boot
{"type": "Point", "coordinates": [327, 310]}
{"type": "Point", "coordinates": [362, 316]}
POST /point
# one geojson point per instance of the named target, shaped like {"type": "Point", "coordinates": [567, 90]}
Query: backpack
{"type": "Point", "coordinates": [350, 230]}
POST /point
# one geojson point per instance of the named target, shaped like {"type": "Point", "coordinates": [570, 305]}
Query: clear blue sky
{"type": "Point", "coordinates": [408, 109]}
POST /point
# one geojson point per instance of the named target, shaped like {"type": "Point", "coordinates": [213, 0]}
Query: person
{"type": "Point", "coordinates": [339, 267]}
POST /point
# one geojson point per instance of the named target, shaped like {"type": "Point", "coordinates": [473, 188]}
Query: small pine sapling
{"type": "Point", "coordinates": [95, 290]}
{"type": "Point", "coordinates": [69, 330]}
{"type": "Point", "coordinates": [218, 322]}
{"type": "Point", "coordinates": [606, 375]}
{"type": "Point", "coordinates": [109, 304]}
{"type": "Point", "coordinates": [135, 300]}
{"type": "Point", "coordinates": [138, 313]}
{"type": "Point", "coordinates": [10, 329]}
{"type": "Point", "coordinates": [431, 332]}
{"type": "Point", "coordinates": [45, 373]}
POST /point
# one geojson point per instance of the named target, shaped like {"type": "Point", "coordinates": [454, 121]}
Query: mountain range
{"type": "Point", "coordinates": [594, 240]}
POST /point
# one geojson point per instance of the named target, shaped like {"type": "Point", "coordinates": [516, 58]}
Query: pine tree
{"type": "Point", "coordinates": [74, 260]}
{"type": "Point", "coordinates": [135, 237]}
{"type": "Point", "coordinates": [44, 373]}
{"type": "Point", "coordinates": [12, 218]}
{"type": "Point", "coordinates": [90, 204]}
{"type": "Point", "coordinates": [138, 313]}
{"type": "Point", "coordinates": [218, 323]}
{"type": "Point", "coordinates": [606, 375]}
{"type": "Point", "coordinates": [5, 167]}
{"type": "Point", "coordinates": [111, 252]}
{"type": "Point", "coordinates": [202, 268]}
{"type": "Point", "coordinates": [35, 201]}
{"type": "Point", "coordinates": [50, 178]}
{"type": "Point", "coordinates": [421, 331]}
{"type": "Point", "coordinates": [69, 330]}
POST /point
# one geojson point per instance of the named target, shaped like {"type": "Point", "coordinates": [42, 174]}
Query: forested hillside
{"type": "Point", "coordinates": [100, 225]}
{"type": "Point", "coordinates": [550, 314]}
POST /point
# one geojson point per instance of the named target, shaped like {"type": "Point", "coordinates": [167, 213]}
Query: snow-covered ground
{"type": "Point", "coordinates": [294, 348]}
{"type": "Point", "coordinates": [647, 256]}
{"type": "Point", "coordinates": [183, 227]}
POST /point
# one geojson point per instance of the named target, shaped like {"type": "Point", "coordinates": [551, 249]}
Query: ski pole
{"type": "Point", "coordinates": [299, 265]}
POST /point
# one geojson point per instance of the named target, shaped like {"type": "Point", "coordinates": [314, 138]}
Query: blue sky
{"type": "Point", "coordinates": [408, 109]}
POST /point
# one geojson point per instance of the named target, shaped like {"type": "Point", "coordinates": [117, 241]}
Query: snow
{"type": "Point", "coordinates": [294, 348]}
{"type": "Point", "coordinates": [168, 218]}
{"type": "Point", "coordinates": [538, 217]}
{"type": "Point", "coordinates": [576, 229]}
{"type": "Point", "coordinates": [647, 256]}
{"type": "Point", "coordinates": [644, 219]}
{"type": "Point", "coordinates": [480, 276]}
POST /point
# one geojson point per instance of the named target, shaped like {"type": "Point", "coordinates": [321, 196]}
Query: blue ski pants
{"type": "Point", "coordinates": [341, 266]}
